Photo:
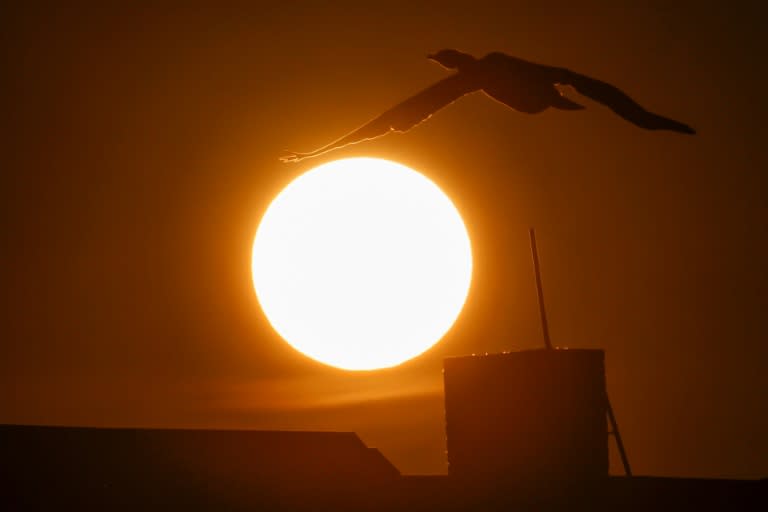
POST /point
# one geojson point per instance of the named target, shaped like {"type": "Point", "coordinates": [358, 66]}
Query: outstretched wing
{"type": "Point", "coordinates": [620, 103]}
{"type": "Point", "coordinates": [403, 116]}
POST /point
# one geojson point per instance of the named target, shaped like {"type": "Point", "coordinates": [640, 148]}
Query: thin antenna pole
{"type": "Point", "coordinates": [539, 290]}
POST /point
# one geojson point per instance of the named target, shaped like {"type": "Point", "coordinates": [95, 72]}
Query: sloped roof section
{"type": "Point", "coordinates": [245, 467]}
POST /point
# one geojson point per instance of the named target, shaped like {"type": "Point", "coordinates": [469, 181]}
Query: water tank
{"type": "Point", "coordinates": [526, 419]}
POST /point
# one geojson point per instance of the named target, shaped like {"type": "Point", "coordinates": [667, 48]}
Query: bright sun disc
{"type": "Point", "coordinates": [361, 263]}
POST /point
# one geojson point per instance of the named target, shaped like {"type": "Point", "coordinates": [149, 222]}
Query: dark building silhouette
{"type": "Point", "coordinates": [525, 431]}
{"type": "Point", "coordinates": [130, 469]}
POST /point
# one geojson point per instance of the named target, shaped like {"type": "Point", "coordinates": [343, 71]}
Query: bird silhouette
{"type": "Point", "coordinates": [521, 85]}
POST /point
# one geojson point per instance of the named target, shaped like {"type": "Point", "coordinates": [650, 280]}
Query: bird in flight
{"type": "Point", "coordinates": [521, 85]}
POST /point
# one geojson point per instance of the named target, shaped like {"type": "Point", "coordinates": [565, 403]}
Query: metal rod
{"type": "Point", "coordinates": [617, 436]}
{"type": "Point", "coordinates": [539, 290]}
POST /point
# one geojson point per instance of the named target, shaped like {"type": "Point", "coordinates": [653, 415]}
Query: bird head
{"type": "Point", "coordinates": [452, 59]}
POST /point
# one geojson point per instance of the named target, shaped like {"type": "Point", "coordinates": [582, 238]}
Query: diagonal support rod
{"type": "Point", "coordinates": [617, 436]}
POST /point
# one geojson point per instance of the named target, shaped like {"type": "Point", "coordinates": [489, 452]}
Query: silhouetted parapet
{"type": "Point", "coordinates": [643, 493]}
{"type": "Point", "coordinates": [108, 468]}
{"type": "Point", "coordinates": [527, 420]}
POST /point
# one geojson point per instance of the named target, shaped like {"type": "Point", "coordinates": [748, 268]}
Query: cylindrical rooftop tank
{"type": "Point", "coordinates": [530, 418]}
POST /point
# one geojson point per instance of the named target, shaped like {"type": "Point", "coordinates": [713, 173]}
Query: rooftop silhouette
{"type": "Point", "coordinates": [136, 469]}
{"type": "Point", "coordinates": [519, 84]}
{"type": "Point", "coordinates": [525, 431]}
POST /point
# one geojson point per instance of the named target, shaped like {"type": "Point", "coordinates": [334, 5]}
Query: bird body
{"type": "Point", "coordinates": [519, 84]}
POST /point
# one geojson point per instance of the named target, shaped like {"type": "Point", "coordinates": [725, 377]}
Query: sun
{"type": "Point", "coordinates": [361, 263]}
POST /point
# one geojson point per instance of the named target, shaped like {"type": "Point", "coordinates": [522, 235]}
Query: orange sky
{"type": "Point", "coordinates": [141, 147]}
